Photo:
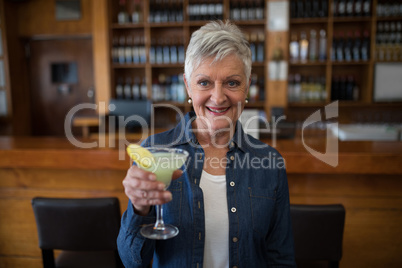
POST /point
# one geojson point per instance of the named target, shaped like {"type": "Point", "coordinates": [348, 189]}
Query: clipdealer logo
{"type": "Point", "coordinates": [330, 156]}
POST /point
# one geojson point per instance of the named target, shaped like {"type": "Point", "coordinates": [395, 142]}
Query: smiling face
{"type": "Point", "coordinates": [218, 91]}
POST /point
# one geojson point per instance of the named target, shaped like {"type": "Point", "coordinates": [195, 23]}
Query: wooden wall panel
{"type": "Point", "coordinates": [38, 18]}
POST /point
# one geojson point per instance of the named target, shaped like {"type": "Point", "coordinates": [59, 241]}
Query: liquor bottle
{"type": "Point", "coordinates": [136, 50]}
{"type": "Point", "coordinates": [254, 89]}
{"type": "Point", "coordinates": [307, 9]}
{"type": "Point", "coordinates": [152, 51]}
{"type": "Point", "coordinates": [121, 50]}
{"type": "Point", "coordinates": [349, 9]}
{"type": "Point", "coordinates": [259, 10]}
{"type": "Point", "coordinates": [335, 4]}
{"type": "Point", "coordinates": [211, 15]}
{"type": "Point", "coordinates": [297, 88]}
{"type": "Point", "coordinates": [342, 88]}
{"type": "Point", "coordinates": [136, 88]}
{"type": "Point", "coordinates": [349, 90]}
{"type": "Point", "coordinates": [335, 88]}
{"type": "Point", "coordinates": [119, 88]}
{"type": "Point", "coordinates": [127, 89]}
{"type": "Point", "coordinates": [324, 9]}
{"type": "Point", "coordinates": [253, 40]}
{"type": "Point", "coordinates": [358, 8]}
{"type": "Point", "coordinates": [141, 51]}
{"type": "Point", "coordinates": [315, 10]}
{"type": "Point", "coordinates": [144, 89]}
{"type": "Point", "coordinates": [235, 10]}
{"type": "Point", "coordinates": [294, 48]}
{"type": "Point", "coordinates": [322, 54]}
{"type": "Point", "coordinates": [159, 51]}
{"type": "Point", "coordinates": [164, 11]}
{"type": "Point", "coordinates": [356, 47]}
{"type": "Point", "coordinates": [219, 10]}
{"type": "Point", "coordinates": [180, 51]}
{"type": "Point", "coordinates": [203, 10]}
{"type": "Point", "coordinates": [365, 47]}
{"type": "Point", "coordinates": [300, 9]}
{"type": "Point", "coordinates": [323, 88]}
{"type": "Point", "coordinates": [334, 48]}
{"type": "Point", "coordinates": [367, 7]}
{"type": "Point", "coordinates": [341, 8]}
{"type": "Point", "coordinates": [339, 48]}
{"type": "Point", "coordinates": [303, 44]}
{"type": "Point", "coordinates": [166, 51]}
{"type": "Point", "coordinates": [251, 10]}
{"type": "Point", "coordinates": [136, 15]}
{"type": "Point", "coordinates": [347, 50]}
{"type": "Point", "coordinates": [173, 52]}
{"type": "Point", "coordinates": [128, 55]}
{"type": "Point", "coordinates": [243, 10]}
{"type": "Point", "coordinates": [122, 16]}
{"type": "Point", "coordinates": [293, 9]}
{"type": "Point", "coordinates": [179, 10]}
{"type": "Point", "coordinates": [260, 47]}
{"type": "Point", "coordinates": [115, 49]}
{"type": "Point", "coordinates": [313, 45]}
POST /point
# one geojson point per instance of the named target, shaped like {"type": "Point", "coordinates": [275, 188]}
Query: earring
{"type": "Point", "coordinates": [189, 101]}
{"type": "Point", "coordinates": [246, 101]}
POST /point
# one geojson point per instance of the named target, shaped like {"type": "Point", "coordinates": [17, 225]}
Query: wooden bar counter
{"type": "Point", "coordinates": [367, 181]}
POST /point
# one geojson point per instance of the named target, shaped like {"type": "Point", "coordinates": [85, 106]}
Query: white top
{"type": "Point", "coordinates": [216, 249]}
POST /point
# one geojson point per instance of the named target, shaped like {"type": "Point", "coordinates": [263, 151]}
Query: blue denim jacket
{"type": "Point", "coordinates": [260, 232]}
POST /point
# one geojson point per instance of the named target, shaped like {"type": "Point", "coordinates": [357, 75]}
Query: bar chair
{"type": "Point", "coordinates": [318, 234]}
{"type": "Point", "coordinates": [84, 229]}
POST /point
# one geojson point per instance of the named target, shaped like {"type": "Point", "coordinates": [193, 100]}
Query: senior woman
{"type": "Point", "coordinates": [231, 202]}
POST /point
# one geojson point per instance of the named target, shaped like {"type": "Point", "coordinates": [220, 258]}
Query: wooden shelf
{"type": "Point", "coordinates": [308, 20]}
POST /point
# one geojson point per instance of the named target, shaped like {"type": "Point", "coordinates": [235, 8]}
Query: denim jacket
{"type": "Point", "coordinates": [260, 233]}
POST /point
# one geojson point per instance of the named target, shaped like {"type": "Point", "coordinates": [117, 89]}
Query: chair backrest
{"type": "Point", "coordinates": [318, 231]}
{"type": "Point", "coordinates": [136, 112]}
{"type": "Point", "coordinates": [88, 224]}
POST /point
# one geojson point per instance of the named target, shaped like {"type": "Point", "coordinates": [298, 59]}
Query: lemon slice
{"type": "Point", "coordinates": [140, 155]}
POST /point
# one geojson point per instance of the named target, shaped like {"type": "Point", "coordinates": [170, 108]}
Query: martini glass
{"type": "Point", "coordinates": [165, 161]}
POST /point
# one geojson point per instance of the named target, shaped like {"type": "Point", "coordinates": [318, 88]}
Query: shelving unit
{"type": "Point", "coordinates": [272, 93]}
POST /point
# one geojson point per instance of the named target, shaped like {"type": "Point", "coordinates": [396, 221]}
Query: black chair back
{"type": "Point", "coordinates": [318, 232]}
{"type": "Point", "coordinates": [85, 224]}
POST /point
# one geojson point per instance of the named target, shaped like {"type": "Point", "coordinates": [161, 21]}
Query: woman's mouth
{"type": "Point", "coordinates": [218, 110]}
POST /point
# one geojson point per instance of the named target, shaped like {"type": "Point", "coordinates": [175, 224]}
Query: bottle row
{"type": "Point", "coordinates": [256, 91]}
{"type": "Point", "coordinates": [308, 49]}
{"type": "Point", "coordinates": [130, 12]}
{"type": "Point", "coordinates": [352, 47]}
{"type": "Point", "coordinates": [166, 51]}
{"type": "Point", "coordinates": [169, 88]}
{"type": "Point", "coordinates": [205, 10]}
{"type": "Point", "coordinates": [166, 11]}
{"type": "Point", "coordinates": [389, 8]}
{"type": "Point", "coordinates": [247, 10]}
{"type": "Point", "coordinates": [306, 88]}
{"type": "Point", "coordinates": [388, 52]}
{"type": "Point", "coordinates": [344, 88]}
{"type": "Point", "coordinates": [389, 32]}
{"type": "Point", "coordinates": [308, 8]}
{"type": "Point", "coordinates": [257, 46]}
{"type": "Point", "coordinates": [351, 8]}
{"type": "Point", "coordinates": [128, 49]}
{"type": "Point", "coordinates": [131, 88]}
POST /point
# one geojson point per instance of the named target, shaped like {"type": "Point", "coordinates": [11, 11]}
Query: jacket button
{"type": "Point", "coordinates": [235, 239]}
{"type": "Point", "coordinates": [232, 183]}
{"type": "Point", "coordinates": [233, 209]}
{"type": "Point", "coordinates": [232, 157]}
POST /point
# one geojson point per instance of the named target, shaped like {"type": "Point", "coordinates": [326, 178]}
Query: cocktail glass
{"type": "Point", "coordinates": [165, 161]}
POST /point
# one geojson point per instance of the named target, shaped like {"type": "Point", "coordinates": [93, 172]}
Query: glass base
{"type": "Point", "coordinates": [159, 233]}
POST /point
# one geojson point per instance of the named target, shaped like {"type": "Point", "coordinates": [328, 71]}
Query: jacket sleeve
{"type": "Point", "coordinates": [134, 249]}
{"type": "Point", "coordinates": [280, 240]}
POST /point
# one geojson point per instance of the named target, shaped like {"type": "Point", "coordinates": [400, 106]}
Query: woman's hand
{"type": "Point", "coordinates": [143, 190]}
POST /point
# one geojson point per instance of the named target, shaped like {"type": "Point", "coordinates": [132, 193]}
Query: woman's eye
{"type": "Point", "coordinates": [233, 83]}
{"type": "Point", "coordinates": [204, 83]}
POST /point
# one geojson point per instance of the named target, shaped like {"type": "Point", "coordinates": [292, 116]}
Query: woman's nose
{"type": "Point", "coordinates": [218, 95]}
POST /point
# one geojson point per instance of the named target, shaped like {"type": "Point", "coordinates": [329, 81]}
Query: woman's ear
{"type": "Point", "coordinates": [187, 86]}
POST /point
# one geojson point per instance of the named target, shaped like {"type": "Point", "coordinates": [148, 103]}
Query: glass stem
{"type": "Point", "coordinates": [159, 224]}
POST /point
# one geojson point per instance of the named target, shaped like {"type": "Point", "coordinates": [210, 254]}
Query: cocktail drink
{"type": "Point", "coordinates": [162, 162]}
